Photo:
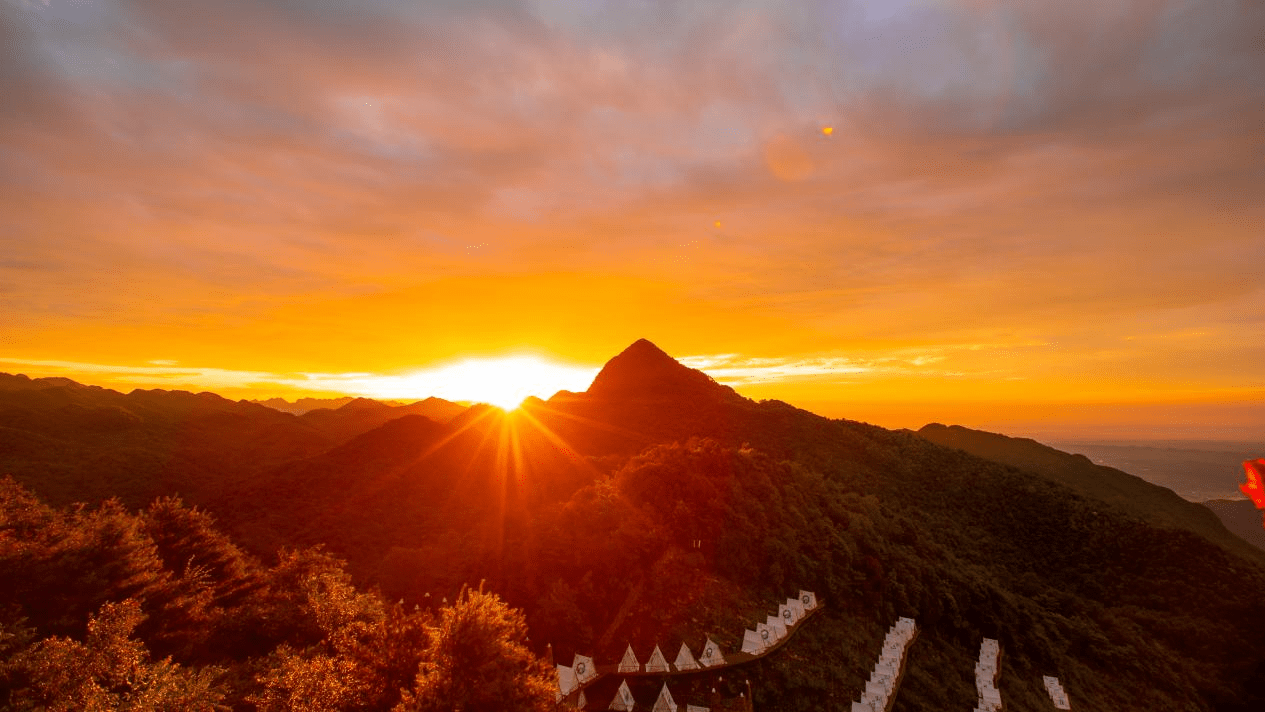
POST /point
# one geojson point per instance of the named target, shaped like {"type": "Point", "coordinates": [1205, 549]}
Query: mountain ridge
{"type": "Point", "coordinates": [709, 506]}
{"type": "Point", "coordinates": [1113, 487]}
{"type": "Point", "coordinates": [643, 370]}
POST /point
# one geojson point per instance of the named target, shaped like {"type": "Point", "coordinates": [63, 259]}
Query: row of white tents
{"type": "Point", "coordinates": [882, 683]}
{"type": "Point", "coordinates": [1057, 695]}
{"type": "Point", "coordinates": [663, 703]}
{"type": "Point", "coordinates": [685, 660]}
{"type": "Point", "coordinates": [756, 642]}
{"type": "Point", "coordinates": [776, 627]}
{"type": "Point", "coordinates": [986, 676]}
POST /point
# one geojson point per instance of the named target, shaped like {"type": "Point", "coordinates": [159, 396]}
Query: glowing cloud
{"type": "Point", "coordinates": [737, 370]}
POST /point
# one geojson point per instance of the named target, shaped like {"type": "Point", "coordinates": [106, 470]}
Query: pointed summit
{"type": "Point", "coordinates": [363, 404]}
{"type": "Point", "coordinates": [643, 370]}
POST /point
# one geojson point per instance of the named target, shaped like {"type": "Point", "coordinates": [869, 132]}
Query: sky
{"type": "Point", "coordinates": [1033, 217]}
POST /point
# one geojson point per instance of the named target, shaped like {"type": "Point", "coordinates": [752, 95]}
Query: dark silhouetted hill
{"type": "Point", "coordinates": [361, 415]}
{"type": "Point", "coordinates": [644, 372]}
{"type": "Point", "coordinates": [659, 507]}
{"type": "Point", "coordinates": [1129, 493]}
{"type": "Point", "coordinates": [1196, 470]}
{"type": "Point", "coordinates": [70, 442]}
{"type": "Point", "coordinates": [303, 405]}
{"type": "Point", "coordinates": [1241, 517]}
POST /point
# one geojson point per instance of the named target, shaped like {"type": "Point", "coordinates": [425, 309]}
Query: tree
{"type": "Point", "coordinates": [477, 660]}
{"type": "Point", "coordinates": [110, 670]}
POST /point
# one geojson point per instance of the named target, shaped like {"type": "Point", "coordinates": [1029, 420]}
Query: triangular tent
{"type": "Point", "coordinates": [657, 663]}
{"type": "Point", "coordinates": [665, 703]}
{"type": "Point", "coordinates": [751, 642]}
{"type": "Point", "coordinates": [775, 625]}
{"type": "Point", "coordinates": [711, 655]}
{"type": "Point", "coordinates": [584, 668]}
{"type": "Point", "coordinates": [787, 614]}
{"type": "Point", "coordinates": [629, 662]}
{"type": "Point", "coordinates": [767, 636]}
{"type": "Point", "coordinates": [809, 599]}
{"type": "Point", "coordinates": [566, 682]}
{"type": "Point", "coordinates": [685, 660]}
{"type": "Point", "coordinates": [581, 702]}
{"type": "Point", "coordinates": [623, 698]}
{"type": "Point", "coordinates": [798, 606]}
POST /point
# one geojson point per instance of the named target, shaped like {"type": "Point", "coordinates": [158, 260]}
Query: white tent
{"type": "Point", "coordinates": [629, 662]}
{"type": "Point", "coordinates": [797, 606]}
{"type": "Point", "coordinates": [1057, 695]}
{"type": "Point", "coordinates": [685, 659]}
{"type": "Point", "coordinates": [696, 708]}
{"type": "Point", "coordinates": [584, 668]}
{"type": "Point", "coordinates": [665, 703]}
{"type": "Point", "coordinates": [808, 599]}
{"type": "Point", "coordinates": [566, 682]}
{"type": "Point", "coordinates": [767, 635]}
{"type": "Point", "coordinates": [657, 663]}
{"type": "Point", "coordinates": [775, 624]}
{"type": "Point", "coordinates": [581, 702]}
{"type": "Point", "coordinates": [787, 614]}
{"type": "Point", "coordinates": [711, 655]}
{"type": "Point", "coordinates": [751, 642]}
{"type": "Point", "coordinates": [623, 699]}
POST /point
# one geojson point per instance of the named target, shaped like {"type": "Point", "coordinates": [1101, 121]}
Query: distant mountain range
{"type": "Point", "coordinates": [72, 442]}
{"type": "Point", "coordinates": [659, 507]}
{"type": "Point", "coordinates": [303, 405]}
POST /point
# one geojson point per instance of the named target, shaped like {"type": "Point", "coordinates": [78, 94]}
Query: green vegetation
{"type": "Point", "coordinates": [103, 609]}
{"type": "Point", "coordinates": [626, 516]}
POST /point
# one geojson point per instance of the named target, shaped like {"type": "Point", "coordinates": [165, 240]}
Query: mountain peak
{"type": "Point", "coordinates": [645, 370]}
{"type": "Point", "coordinates": [363, 404]}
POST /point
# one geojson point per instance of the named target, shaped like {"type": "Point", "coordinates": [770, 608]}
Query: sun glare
{"type": "Point", "coordinates": [503, 382]}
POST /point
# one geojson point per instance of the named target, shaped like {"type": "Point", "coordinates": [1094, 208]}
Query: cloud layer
{"type": "Point", "coordinates": [184, 180]}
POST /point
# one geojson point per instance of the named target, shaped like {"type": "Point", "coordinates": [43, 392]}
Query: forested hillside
{"type": "Point", "coordinates": [70, 442]}
{"type": "Point", "coordinates": [660, 507]}
{"type": "Point", "coordinates": [104, 609]}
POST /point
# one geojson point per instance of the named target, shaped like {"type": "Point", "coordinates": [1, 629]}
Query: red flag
{"type": "Point", "coordinates": [1254, 487]}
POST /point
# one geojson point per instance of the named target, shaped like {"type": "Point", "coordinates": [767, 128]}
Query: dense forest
{"type": "Point", "coordinates": [105, 609]}
{"type": "Point", "coordinates": [381, 568]}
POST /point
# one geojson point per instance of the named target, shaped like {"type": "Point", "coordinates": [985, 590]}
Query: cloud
{"type": "Point", "coordinates": [737, 370]}
{"type": "Point", "coordinates": [995, 169]}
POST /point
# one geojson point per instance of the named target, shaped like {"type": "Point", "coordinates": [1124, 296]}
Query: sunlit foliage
{"type": "Point", "coordinates": [90, 594]}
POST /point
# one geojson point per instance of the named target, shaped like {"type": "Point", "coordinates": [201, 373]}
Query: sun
{"type": "Point", "coordinates": [501, 381]}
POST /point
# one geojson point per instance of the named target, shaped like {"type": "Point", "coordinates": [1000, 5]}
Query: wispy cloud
{"type": "Point", "coordinates": [179, 174]}
{"type": "Point", "coordinates": [738, 370]}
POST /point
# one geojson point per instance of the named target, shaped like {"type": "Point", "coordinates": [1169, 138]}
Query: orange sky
{"type": "Point", "coordinates": [1042, 220]}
